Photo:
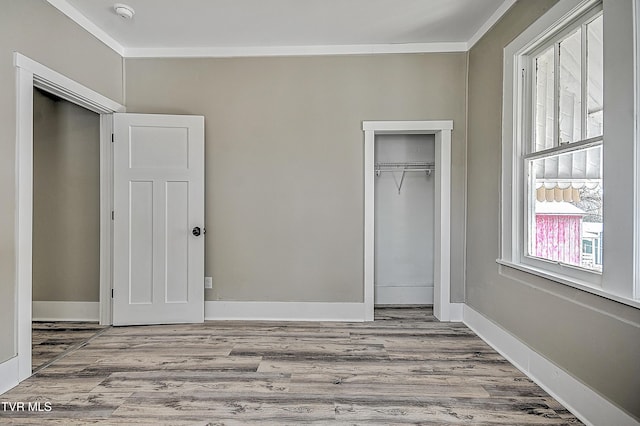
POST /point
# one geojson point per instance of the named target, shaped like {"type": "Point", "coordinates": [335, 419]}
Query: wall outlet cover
{"type": "Point", "coordinates": [208, 282]}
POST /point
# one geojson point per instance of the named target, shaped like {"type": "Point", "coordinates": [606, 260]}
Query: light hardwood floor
{"type": "Point", "coordinates": [404, 368]}
{"type": "Point", "coordinates": [52, 339]}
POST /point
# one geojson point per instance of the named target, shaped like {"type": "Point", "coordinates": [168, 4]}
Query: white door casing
{"type": "Point", "coordinates": [443, 308]}
{"type": "Point", "coordinates": [158, 260]}
{"type": "Point", "coordinates": [30, 74]}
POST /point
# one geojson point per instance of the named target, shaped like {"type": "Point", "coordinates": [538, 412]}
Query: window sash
{"type": "Point", "coordinates": [528, 60]}
{"type": "Point", "coordinates": [565, 148]}
{"type": "Point", "coordinates": [591, 276]}
{"type": "Point", "coordinates": [543, 43]}
{"type": "Point", "coordinates": [527, 145]}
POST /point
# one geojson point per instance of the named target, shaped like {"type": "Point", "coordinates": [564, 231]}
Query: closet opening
{"type": "Point", "coordinates": [440, 132]}
{"type": "Point", "coordinates": [404, 210]}
{"type": "Point", "coordinates": [29, 75]}
{"type": "Point", "coordinates": [66, 226]}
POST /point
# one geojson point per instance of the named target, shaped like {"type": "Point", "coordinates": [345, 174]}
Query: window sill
{"type": "Point", "coordinates": [568, 282]}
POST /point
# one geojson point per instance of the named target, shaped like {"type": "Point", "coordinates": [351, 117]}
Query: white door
{"type": "Point", "coordinates": [158, 229]}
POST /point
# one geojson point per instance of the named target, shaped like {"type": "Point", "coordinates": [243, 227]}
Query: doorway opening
{"type": "Point", "coordinates": [29, 75]}
{"type": "Point", "coordinates": [443, 309]}
{"type": "Point", "coordinates": [66, 226]}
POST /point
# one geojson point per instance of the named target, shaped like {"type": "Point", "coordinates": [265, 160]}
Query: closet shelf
{"type": "Point", "coordinates": [406, 167]}
{"type": "Point", "coordinates": [425, 167]}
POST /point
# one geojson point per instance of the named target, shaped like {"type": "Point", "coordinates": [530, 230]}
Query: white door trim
{"type": "Point", "coordinates": [443, 309]}
{"type": "Point", "coordinates": [106, 222]}
{"type": "Point", "coordinates": [30, 74]}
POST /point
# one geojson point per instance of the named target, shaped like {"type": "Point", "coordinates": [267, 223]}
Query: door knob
{"type": "Point", "coordinates": [197, 231]}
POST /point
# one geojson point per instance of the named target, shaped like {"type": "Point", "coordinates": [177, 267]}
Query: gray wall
{"type": "Point", "coordinates": [404, 222]}
{"type": "Point", "coordinates": [37, 30]}
{"type": "Point", "coordinates": [284, 160]}
{"type": "Point", "coordinates": [594, 339]}
{"type": "Point", "coordinates": [66, 201]}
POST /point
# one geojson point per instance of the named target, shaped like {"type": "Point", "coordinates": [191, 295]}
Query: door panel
{"type": "Point", "coordinates": [177, 253]}
{"type": "Point", "coordinates": [141, 242]}
{"type": "Point", "coordinates": [158, 200]}
{"type": "Point", "coordinates": [159, 148]}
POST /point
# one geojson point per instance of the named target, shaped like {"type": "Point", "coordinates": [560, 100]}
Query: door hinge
{"type": "Point", "coordinates": [112, 138]}
{"type": "Point", "coordinates": [112, 293]}
{"type": "Point", "coordinates": [112, 215]}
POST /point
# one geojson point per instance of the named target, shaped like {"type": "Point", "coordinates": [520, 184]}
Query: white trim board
{"type": "Point", "coordinates": [60, 85]}
{"type": "Point", "coordinates": [442, 306]}
{"type": "Point", "coordinates": [582, 401]}
{"type": "Point", "coordinates": [317, 50]}
{"type": "Point", "coordinates": [403, 294]}
{"type": "Point", "coordinates": [502, 9]}
{"type": "Point", "coordinates": [284, 311]}
{"type": "Point", "coordinates": [106, 228]}
{"type": "Point", "coordinates": [263, 51]}
{"type": "Point", "coordinates": [66, 311]}
{"type": "Point", "coordinates": [636, 170]}
{"type": "Point", "coordinates": [9, 374]}
{"type": "Point", "coordinates": [456, 311]}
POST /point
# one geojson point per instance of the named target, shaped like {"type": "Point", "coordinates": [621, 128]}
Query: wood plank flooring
{"type": "Point", "coordinates": [404, 368]}
{"type": "Point", "coordinates": [52, 339]}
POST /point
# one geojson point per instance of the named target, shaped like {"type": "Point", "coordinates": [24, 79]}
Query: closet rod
{"type": "Point", "coordinates": [404, 167]}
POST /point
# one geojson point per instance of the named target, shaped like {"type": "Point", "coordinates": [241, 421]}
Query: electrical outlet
{"type": "Point", "coordinates": [208, 282]}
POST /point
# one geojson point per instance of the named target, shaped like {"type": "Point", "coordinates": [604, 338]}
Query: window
{"type": "Point", "coordinates": [568, 163]}
{"type": "Point", "coordinates": [563, 154]}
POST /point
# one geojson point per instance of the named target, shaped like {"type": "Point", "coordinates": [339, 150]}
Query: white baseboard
{"type": "Point", "coordinates": [284, 311]}
{"type": "Point", "coordinates": [66, 311]}
{"type": "Point", "coordinates": [9, 374]}
{"type": "Point", "coordinates": [401, 295]}
{"type": "Point", "coordinates": [456, 313]}
{"type": "Point", "coordinates": [581, 400]}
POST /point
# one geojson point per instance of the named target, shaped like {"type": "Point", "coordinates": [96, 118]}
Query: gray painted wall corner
{"type": "Point", "coordinates": [39, 31]}
{"type": "Point", "coordinates": [596, 340]}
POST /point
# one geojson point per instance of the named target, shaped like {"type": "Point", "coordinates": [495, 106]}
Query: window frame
{"type": "Point", "coordinates": [636, 169]}
{"type": "Point", "coordinates": [517, 108]}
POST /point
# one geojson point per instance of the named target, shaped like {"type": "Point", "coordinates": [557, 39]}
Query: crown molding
{"type": "Point", "coordinates": [253, 51]}
{"type": "Point", "coordinates": [506, 5]}
{"type": "Point", "coordinates": [256, 51]}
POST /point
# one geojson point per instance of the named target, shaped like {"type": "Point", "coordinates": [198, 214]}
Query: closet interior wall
{"type": "Point", "coordinates": [66, 201]}
{"type": "Point", "coordinates": [404, 219]}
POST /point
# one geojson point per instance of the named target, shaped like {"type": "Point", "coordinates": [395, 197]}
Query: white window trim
{"type": "Point", "coordinates": [636, 171]}
{"type": "Point", "coordinates": [512, 180]}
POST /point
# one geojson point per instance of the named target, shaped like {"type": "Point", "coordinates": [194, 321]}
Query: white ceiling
{"type": "Point", "coordinates": [228, 27]}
